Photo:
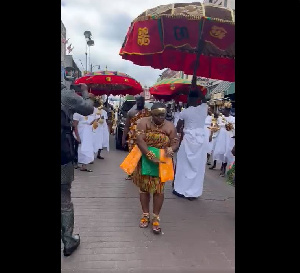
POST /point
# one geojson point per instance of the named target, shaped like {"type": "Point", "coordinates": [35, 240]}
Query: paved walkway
{"type": "Point", "coordinates": [198, 236]}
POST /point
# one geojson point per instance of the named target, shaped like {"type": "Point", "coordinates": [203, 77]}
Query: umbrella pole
{"type": "Point", "coordinates": [200, 47]}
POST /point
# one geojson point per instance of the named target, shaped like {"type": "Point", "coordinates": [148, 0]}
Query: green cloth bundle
{"type": "Point", "coordinates": [148, 167]}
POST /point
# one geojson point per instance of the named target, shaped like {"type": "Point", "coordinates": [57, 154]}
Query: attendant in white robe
{"type": "Point", "coordinates": [214, 136]}
{"type": "Point", "coordinates": [208, 133]}
{"type": "Point", "coordinates": [97, 136]}
{"type": "Point", "coordinates": [230, 158]}
{"type": "Point", "coordinates": [176, 115]}
{"type": "Point", "coordinates": [192, 154]}
{"type": "Point", "coordinates": [176, 119]}
{"type": "Point", "coordinates": [101, 133]}
{"type": "Point", "coordinates": [83, 132]}
{"type": "Point", "coordinates": [224, 142]}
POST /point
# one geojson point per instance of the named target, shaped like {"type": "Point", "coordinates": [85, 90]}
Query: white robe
{"type": "Point", "coordinates": [192, 154]}
{"type": "Point", "coordinates": [176, 118]}
{"type": "Point", "coordinates": [223, 141]}
{"type": "Point", "coordinates": [207, 131]}
{"type": "Point", "coordinates": [85, 131]}
{"type": "Point", "coordinates": [230, 158]}
{"type": "Point", "coordinates": [101, 133]}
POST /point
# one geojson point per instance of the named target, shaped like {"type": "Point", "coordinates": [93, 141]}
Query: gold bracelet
{"type": "Point", "coordinates": [174, 140]}
{"type": "Point", "coordinates": [150, 155]}
{"type": "Point", "coordinates": [170, 151]}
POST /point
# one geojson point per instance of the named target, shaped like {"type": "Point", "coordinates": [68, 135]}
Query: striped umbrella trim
{"type": "Point", "coordinates": [109, 73]}
{"type": "Point", "coordinates": [174, 81]}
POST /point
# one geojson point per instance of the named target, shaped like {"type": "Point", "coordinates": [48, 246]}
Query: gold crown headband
{"type": "Point", "coordinates": [158, 111]}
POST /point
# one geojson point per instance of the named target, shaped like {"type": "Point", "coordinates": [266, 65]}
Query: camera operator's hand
{"type": "Point", "coordinates": [85, 93]}
{"type": "Point", "coordinates": [91, 95]}
{"type": "Point", "coordinates": [84, 87]}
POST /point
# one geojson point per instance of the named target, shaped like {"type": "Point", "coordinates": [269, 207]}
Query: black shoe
{"type": "Point", "coordinates": [191, 198]}
{"type": "Point", "coordinates": [177, 194]}
{"type": "Point", "coordinates": [69, 251]}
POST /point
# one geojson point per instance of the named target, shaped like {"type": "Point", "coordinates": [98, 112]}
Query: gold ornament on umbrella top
{"type": "Point", "coordinates": [214, 124]}
{"type": "Point", "coordinates": [228, 125]}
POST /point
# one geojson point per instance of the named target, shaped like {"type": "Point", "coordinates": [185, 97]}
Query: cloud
{"type": "Point", "coordinates": [108, 21]}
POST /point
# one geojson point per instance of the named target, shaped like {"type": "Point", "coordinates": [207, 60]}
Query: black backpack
{"type": "Point", "coordinates": [67, 139]}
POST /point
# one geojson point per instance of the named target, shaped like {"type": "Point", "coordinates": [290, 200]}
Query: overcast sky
{"type": "Point", "coordinates": [108, 22]}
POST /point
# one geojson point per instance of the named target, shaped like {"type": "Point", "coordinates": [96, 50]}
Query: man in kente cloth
{"type": "Point", "coordinates": [133, 116]}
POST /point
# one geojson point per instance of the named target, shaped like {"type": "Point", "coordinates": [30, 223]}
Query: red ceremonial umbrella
{"type": "Point", "coordinates": [174, 88]}
{"type": "Point", "coordinates": [181, 36]}
{"type": "Point", "coordinates": [111, 82]}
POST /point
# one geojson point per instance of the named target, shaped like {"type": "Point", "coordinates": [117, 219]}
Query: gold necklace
{"type": "Point", "coordinates": [157, 126]}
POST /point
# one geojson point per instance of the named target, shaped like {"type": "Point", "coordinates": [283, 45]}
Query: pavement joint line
{"type": "Point", "coordinates": [129, 197]}
{"type": "Point", "coordinates": [115, 197]}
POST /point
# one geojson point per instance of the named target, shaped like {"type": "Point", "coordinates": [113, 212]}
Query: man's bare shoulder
{"type": "Point", "coordinates": [169, 123]}
{"type": "Point", "coordinates": [144, 120]}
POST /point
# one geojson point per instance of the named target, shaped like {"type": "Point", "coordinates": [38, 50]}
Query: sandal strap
{"type": "Point", "coordinates": [155, 223]}
{"type": "Point", "coordinates": [156, 217]}
{"type": "Point", "coordinates": [145, 218]}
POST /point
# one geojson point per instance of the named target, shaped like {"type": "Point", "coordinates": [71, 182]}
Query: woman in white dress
{"type": "Point", "coordinates": [192, 154]}
{"type": "Point", "coordinates": [83, 133]}
{"type": "Point", "coordinates": [224, 140]}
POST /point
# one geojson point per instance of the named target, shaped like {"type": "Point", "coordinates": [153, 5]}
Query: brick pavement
{"type": "Point", "coordinates": [198, 236]}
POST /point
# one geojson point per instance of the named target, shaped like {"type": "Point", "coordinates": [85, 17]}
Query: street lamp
{"type": "Point", "coordinates": [89, 42]}
{"type": "Point", "coordinates": [87, 34]}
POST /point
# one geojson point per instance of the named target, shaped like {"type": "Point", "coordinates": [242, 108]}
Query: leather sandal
{"type": "Point", "coordinates": [145, 219]}
{"type": "Point", "coordinates": [155, 224]}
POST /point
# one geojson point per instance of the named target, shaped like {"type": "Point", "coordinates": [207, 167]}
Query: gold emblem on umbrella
{"type": "Point", "coordinates": [218, 32]}
{"type": "Point", "coordinates": [143, 36]}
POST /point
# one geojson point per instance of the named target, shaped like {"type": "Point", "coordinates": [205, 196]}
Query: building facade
{"type": "Point", "coordinates": [72, 72]}
{"type": "Point", "coordinates": [63, 38]}
{"type": "Point", "coordinates": [168, 74]}
{"type": "Point", "coordinates": [69, 69]}
{"type": "Point", "coordinates": [224, 3]}
{"type": "Point", "coordinates": [63, 51]}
